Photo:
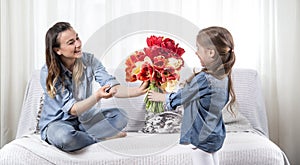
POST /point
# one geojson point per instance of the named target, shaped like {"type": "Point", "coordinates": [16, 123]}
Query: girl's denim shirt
{"type": "Point", "coordinates": [57, 108]}
{"type": "Point", "coordinates": [203, 100]}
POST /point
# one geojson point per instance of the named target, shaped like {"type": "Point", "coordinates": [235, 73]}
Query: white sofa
{"type": "Point", "coordinates": [246, 143]}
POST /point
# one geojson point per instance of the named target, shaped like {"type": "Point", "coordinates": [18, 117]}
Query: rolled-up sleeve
{"type": "Point", "coordinates": [101, 75]}
{"type": "Point", "coordinates": [68, 105]}
{"type": "Point", "coordinates": [174, 99]}
{"type": "Point", "coordinates": [168, 102]}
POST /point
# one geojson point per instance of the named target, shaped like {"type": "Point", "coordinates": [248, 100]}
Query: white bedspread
{"type": "Point", "coordinates": [249, 148]}
{"type": "Point", "coordinates": [246, 148]}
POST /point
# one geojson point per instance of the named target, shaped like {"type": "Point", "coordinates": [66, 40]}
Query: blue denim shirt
{"type": "Point", "coordinates": [57, 108]}
{"type": "Point", "coordinates": [203, 100]}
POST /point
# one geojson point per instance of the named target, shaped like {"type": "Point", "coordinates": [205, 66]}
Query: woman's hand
{"type": "Point", "coordinates": [86, 104]}
{"type": "Point", "coordinates": [143, 88]}
{"type": "Point", "coordinates": [156, 96]}
{"type": "Point", "coordinates": [101, 93]}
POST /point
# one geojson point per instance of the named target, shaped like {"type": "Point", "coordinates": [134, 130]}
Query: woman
{"type": "Point", "coordinates": [70, 119]}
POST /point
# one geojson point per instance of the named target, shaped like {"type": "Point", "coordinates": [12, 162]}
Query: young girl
{"type": "Point", "coordinates": [205, 95]}
{"type": "Point", "coordinates": [70, 120]}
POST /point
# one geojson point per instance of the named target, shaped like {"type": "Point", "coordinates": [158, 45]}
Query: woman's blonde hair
{"type": "Point", "coordinates": [53, 61]}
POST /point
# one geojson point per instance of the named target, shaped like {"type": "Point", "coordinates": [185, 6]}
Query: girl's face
{"type": "Point", "coordinates": [205, 55]}
{"type": "Point", "coordinates": [70, 46]}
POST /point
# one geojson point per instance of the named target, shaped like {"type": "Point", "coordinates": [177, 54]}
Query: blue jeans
{"type": "Point", "coordinates": [87, 129]}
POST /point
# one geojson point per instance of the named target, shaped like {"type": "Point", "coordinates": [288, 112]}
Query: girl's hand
{"type": "Point", "coordinates": [156, 96]}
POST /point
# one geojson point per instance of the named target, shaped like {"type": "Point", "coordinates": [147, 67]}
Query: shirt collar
{"type": "Point", "coordinates": [65, 70]}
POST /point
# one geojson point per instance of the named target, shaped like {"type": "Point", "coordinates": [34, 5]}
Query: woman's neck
{"type": "Point", "coordinates": [69, 64]}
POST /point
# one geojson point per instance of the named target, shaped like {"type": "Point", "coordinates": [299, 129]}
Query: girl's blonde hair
{"type": "Point", "coordinates": [220, 40]}
{"type": "Point", "coordinates": [53, 61]}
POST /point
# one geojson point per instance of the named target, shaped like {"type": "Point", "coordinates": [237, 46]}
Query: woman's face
{"type": "Point", "coordinates": [70, 45]}
{"type": "Point", "coordinates": [205, 55]}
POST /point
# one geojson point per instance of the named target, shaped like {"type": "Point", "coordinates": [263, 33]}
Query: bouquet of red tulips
{"type": "Point", "coordinates": [160, 63]}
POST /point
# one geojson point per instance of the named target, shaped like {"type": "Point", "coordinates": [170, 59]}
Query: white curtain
{"type": "Point", "coordinates": [287, 80]}
{"type": "Point", "coordinates": [16, 62]}
{"type": "Point", "coordinates": [265, 32]}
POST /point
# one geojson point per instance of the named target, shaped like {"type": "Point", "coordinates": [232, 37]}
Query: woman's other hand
{"type": "Point", "coordinates": [143, 87]}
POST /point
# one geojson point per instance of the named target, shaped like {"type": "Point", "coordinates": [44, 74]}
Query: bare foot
{"type": "Point", "coordinates": [118, 135]}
